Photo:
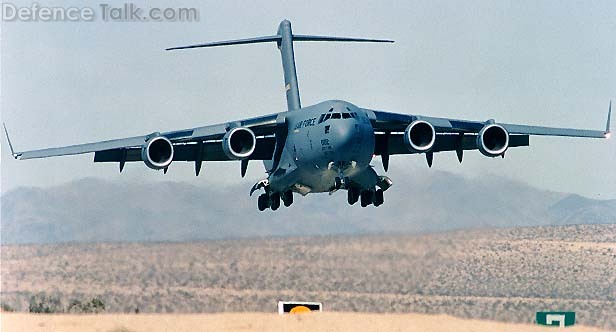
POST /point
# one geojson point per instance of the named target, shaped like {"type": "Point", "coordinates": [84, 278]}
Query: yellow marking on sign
{"type": "Point", "coordinates": [300, 309]}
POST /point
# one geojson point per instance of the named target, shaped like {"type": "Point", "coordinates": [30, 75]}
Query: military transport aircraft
{"type": "Point", "coordinates": [319, 148]}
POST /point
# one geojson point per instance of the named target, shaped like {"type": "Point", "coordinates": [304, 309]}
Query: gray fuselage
{"type": "Point", "coordinates": [327, 140]}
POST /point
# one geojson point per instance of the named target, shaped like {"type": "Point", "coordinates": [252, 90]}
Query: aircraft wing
{"type": "Point", "coordinates": [458, 135]}
{"type": "Point", "coordinates": [184, 141]}
{"type": "Point", "coordinates": [395, 122]}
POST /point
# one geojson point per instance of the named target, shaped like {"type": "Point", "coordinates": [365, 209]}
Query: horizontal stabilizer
{"type": "Point", "coordinates": [339, 39]}
{"type": "Point", "coordinates": [255, 40]}
{"type": "Point", "coordinates": [278, 38]}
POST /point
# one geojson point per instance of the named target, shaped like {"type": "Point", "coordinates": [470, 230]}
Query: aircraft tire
{"type": "Point", "coordinates": [263, 202]}
{"type": "Point", "coordinates": [337, 183]}
{"type": "Point", "coordinates": [365, 198]}
{"type": "Point", "coordinates": [352, 196]}
{"type": "Point", "coordinates": [287, 198]}
{"type": "Point", "coordinates": [275, 201]}
{"type": "Point", "coordinates": [378, 197]}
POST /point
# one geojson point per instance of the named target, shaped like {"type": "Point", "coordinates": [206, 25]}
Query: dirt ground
{"type": "Point", "coordinates": [21, 322]}
{"type": "Point", "coordinates": [504, 275]}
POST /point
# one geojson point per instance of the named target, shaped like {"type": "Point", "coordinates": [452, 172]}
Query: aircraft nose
{"type": "Point", "coordinates": [344, 135]}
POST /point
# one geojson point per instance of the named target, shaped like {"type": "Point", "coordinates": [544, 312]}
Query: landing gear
{"type": "Point", "coordinates": [337, 183]}
{"type": "Point", "coordinates": [287, 198]}
{"type": "Point", "coordinates": [272, 200]}
{"type": "Point", "coordinates": [341, 182]}
{"type": "Point", "coordinates": [263, 202]}
{"type": "Point", "coordinates": [352, 195]}
{"type": "Point", "coordinates": [378, 197]}
{"type": "Point", "coordinates": [366, 198]}
{"type": "Point", "coordinates": [275, 201]}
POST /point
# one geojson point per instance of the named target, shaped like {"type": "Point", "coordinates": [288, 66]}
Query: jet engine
{"type": "Point", "coordinates": [239, 143]}
{"type": "Point", "coordinates": [492, 140]}
{"type": "Point", "coordinates": [157, 153]}
{"type": "Point", "coordinates": [419, 136]}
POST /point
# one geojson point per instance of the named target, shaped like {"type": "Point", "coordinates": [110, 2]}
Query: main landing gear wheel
{"type": "Point", "coordinates": [269, 200]}
{"type": "Point", "coordinates": [275, 201]}
{"type": "Point", "coordinates": [366, 197]}
{"type": "Point", "coordinates": [287, 198]}
{"type": "Point", "coordinates": [352, 195]}
{"type": "Point", "coordinates": [378, 197]}
{"type": "Point", "coordinates": [263, 202]}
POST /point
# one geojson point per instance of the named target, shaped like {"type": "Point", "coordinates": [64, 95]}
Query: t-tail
{"type": "Point", "coordinates": [285, 38]}
{"type": "Point", "coordinates": [608, 133]}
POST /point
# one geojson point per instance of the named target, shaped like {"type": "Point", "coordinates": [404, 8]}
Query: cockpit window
{"type": "Point", "coordinates": [324, 117]}
{"type": "Point", "coordinates": [330, 115]}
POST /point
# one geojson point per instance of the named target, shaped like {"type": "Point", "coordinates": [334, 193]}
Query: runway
{"type": "Point", "coordinates": [227, 322]}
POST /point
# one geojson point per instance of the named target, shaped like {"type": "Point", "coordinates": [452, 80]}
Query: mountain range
{"type": "Point", "coordinates": [98, 210]}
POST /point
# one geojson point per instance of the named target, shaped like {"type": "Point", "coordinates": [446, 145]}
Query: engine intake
{"type": "Point", "coordinates": [157, 153]}
{"type": "Point", "coordinates": [239, 143]}
{"type": "Point", "coordinates": [419, 136]}
{"type": "Point", "coordinates": [493, 140]}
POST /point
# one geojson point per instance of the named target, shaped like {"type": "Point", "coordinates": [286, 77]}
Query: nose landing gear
{"type": "Point", "coordinates": [341, 182]}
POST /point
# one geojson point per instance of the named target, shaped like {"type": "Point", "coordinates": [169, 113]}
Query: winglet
{"type": "Point", "coordinates": [8, 139]}
{"type": "Point", "coordinates": [608, 133]}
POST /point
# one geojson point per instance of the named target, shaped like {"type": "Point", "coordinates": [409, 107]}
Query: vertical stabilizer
{"type": "Point", "coordinates": [285, 38]}
{"type": "Point", "coordinates": [608, 133]}
{"type": "Point", "coordinates": [285, 45]}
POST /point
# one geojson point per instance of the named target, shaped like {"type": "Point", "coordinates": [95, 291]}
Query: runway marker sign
{"type": "Point", "coordinates": [298, 307]}
{"type": "Point", "coordinates": [555, 318]}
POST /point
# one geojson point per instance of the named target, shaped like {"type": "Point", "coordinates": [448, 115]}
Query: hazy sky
{"type": "Point", "coordinates": [532, 62]}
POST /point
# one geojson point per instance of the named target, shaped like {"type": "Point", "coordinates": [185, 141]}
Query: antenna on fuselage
{"type": "Point", "coordinates": [285, 38]}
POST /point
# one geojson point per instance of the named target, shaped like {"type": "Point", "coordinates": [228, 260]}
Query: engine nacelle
{"type": "Point", "coordinates": [157, 153]}
{"type": "Point", "coordinates": [419, 136]}
{"type": "Point", "coordinates": [492, 140]}
{"type": "Point", "coordinates": [239, 143]}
